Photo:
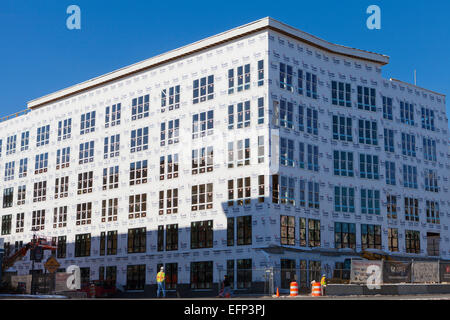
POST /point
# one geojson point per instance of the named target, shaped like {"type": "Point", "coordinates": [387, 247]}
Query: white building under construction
{"type": "Point", "coordinates": [260, 147]}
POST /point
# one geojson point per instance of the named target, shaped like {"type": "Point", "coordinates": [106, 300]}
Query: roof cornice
{"type": "Point", "coordinates": [218, 39]}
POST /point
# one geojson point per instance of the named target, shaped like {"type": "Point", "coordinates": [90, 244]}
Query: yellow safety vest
{"type": "Point", "coordinates": [160, 276]}
{"type": "Point", "coordinates": [323, 282]}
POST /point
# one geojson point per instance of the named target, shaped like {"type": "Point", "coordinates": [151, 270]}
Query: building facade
{"type": "Point", "coordinates": [261, 147]}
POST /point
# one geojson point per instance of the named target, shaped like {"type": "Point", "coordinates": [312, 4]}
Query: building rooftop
{"type": "Point", "coordinates": [230, 35]}
{"type": "Point", "coordinates": [416, 87]}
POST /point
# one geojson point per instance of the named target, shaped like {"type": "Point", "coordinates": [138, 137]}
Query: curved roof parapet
{"type": "Point", "coordinates": [328, 46]}
{"type": "Point", "coordinates": [218, 39]}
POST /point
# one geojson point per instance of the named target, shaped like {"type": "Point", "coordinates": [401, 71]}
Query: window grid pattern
{"type": "Point", "coordinates": [431, 183]}
{"type": "Point", "coordinates": [21, 194]}
{"type": "Point", "coordinates": [138, 172]}
{"type": "Point", "coordinates": [432, 211]}
{"type": "Point", "coordinates": [408, 144]}
{"type": "Point", "coordinates": [239, 191]}
{"type": "Point", "coordinates": [344, 235]}
{"type": "Point", "coordinates": [170, 98]}
{"type": "Point", "coordinates": [62, 158]}
{"type": "Point", "coordinates": [111, 146]}
{"type": "Point", "coordinates": [139, 140]}
{"type": "Point", "coordinates": [239, 115]}
{"type": "Point", "coordinates": [389, 140]}
{"type": "Point", "coordinates": [64, 129]}
{"type": "Point", "coordinates": [137, 206]}
{"type": "Point", "coordinates": [85, 182]}
{"type": "Point", "coordinates": [342, 128]}
{"type": "Point", "coordinates": [411, 209]}
{"type": "Point", "coordinates": [24, 142]}
{"type": "Point", "coordinates": [84, 213]}
{"type": "Point", "coordinates": [43, 135]}
{"type": "Point", "coordinates": [387, 108]}
{"type": "Point", "coordinates": [202, 234]}
{"type": "Point", "coordinates": [343, 163]}
{"type": "Point", "coordinates": [170, 205]}
{"type": "Point", "coordinates": [239, 79]}
{"type": "Point", "coordinates": [40, 191]}
{"type": "Point", "coordinates": [202, 160]}
{"type": "Point", "coordinates": [429, 149]}
{"type": "Point", "coordinates": [412, 241]}
{"type": "Point", "coordinates": [61, 187]}
{"type": "Point", "coordinates": [344, 199]}
{"type": "Point", "coordinates": [341, 94]}
{"type": "Point", "coordinates": [370, 236]}
{"type": "Point", "coordinates": [286, 74]}
{"type": "Point", "coordinates": [427, 117]}
{"type": "Point", "coordinates": [8, 197]}
{"type": "Point", "coordinates": [110, 178]}
{"type": "Point", "coordinates": [11, 142]}
{"type": "Point", "coordinates": [287, 230]}
{"type": "Point", "coordinates": [366, 98]}
{"type": "Point", "coordinates": [110, 208]}
{"type": "Point", "coordinates": [390, 173]}
{"type": "Point", "coordinates": [9, 170]}
{"type": "Point", "coordinates": [169, 166]}
{"type": "Point", "coordinates": [140, 107]}
{"type": "Point", "coordinates": [20, 222]}
{"type": "Point", "coordinates": [203, 124]}
{"type": "Point", "coordinates": [87, 123]}
{"type": "Point", "coordinates": [38, 220]}
{"type": "Point", "coordinates": [368, 132]}
{"type": "Point", "coordinates": [202, 197]}
{"type": "Point", "coordinates": [86, 153]}
{"type": "Point", "coordinates": [406, 113]}
{"type": "Point", "coordinates": [370, 201]}
{"type": "Point", "coordinates": [113, 115]}
{"type": "Point", "coordinates": [41, 163]}
{"type": "Point", "coordinates": [60, 217]}
{"type": "Point", "coordinates": [368, 166]}
{"type": "Point", "coordinates": [391, 206]}
{"type": "Point", "coordinates": [241, 156]}
{"type": "Point", "coordinates": [410, 176]}
{"type": "Point", "coordinates": [203, 89]}
{"type": "Point", "coordinates": [170, 132]}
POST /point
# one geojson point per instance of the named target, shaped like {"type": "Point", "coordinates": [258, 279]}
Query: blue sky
{"type": "Point", "coordinates": [39, 55]}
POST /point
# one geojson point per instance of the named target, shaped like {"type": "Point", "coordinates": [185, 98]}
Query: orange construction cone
{"type": "Point", "coordinates": [278, 293]}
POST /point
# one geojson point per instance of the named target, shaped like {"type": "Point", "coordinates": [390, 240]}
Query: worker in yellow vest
{"type": "Point", "coordinates": [323, 283]}
{"type": "Point", "coordinates": [160, 280]}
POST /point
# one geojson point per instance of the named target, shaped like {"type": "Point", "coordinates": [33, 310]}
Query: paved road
{"type": "Point", "coordinates": [374, 297]}
{"type": "Point", "coordinates": [301, 297]}
{"type": "Point", "coordinates": [304, 297]}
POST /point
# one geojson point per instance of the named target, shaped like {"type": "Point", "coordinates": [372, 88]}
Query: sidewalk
{"type": "Point", "coordinates": [30, 296]}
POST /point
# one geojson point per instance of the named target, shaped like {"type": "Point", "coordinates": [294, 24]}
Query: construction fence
{"type": "Point", "coordinates": [43, 283]}
{"type": "Point", "coordinates": [267, 280]}
{"type": "Point", "coordinates": [390, 272]}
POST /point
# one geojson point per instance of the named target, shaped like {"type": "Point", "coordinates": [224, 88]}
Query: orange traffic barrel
{"type": "Point", "coordinates": [294, 289]}
{"type": "Point", "coordinates": [316, 289]}
{"type": "Point", "coordinates": [92, 290]}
